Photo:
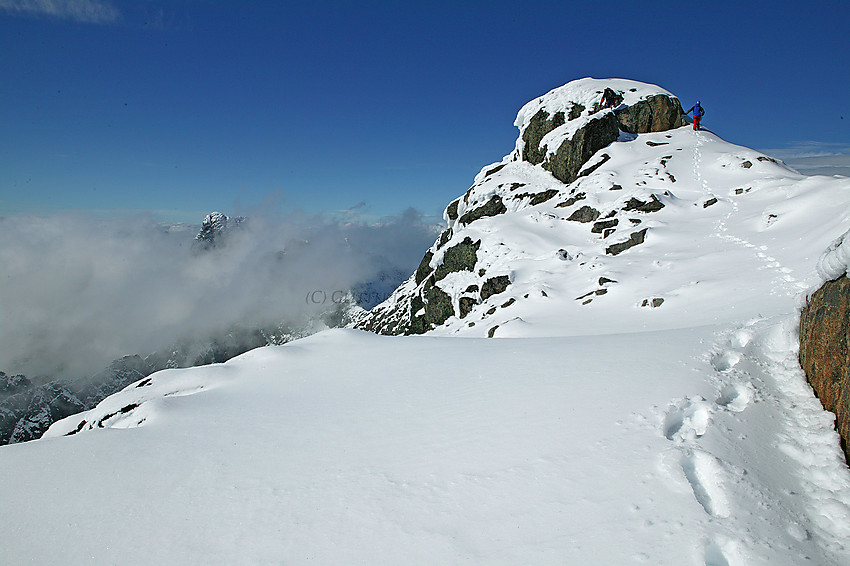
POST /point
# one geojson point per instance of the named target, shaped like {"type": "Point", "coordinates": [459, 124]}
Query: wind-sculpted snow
{"type": "Point", "coordinates": [836, 259]}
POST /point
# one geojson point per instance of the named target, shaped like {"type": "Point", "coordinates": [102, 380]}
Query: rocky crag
{"type": "Point", "coordinates": [610, 216]}
{"type": "Point", "coordinates": [562, 135]}
{"type": "Point", "coordinates": [825, 339]}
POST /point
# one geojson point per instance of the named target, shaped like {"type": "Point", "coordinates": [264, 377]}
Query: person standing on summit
{"type": "Point", "coordinates": [698, 111]}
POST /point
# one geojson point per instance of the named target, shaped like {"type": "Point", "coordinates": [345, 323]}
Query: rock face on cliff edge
{"type": "Point", "coordinates": [825, 339]}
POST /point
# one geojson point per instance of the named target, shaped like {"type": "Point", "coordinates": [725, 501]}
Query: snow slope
{"type": "Point", "coordinates": [738, 236]}
{"type": "Point", "coordinates": [657, 447]}
{"type": "Point", "coordinates": [593, 430]}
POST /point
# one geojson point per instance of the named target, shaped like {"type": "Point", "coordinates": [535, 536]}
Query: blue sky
{"type": "Point", "coordinates": [362, 110]}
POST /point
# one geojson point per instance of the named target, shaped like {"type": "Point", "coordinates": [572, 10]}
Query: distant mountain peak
{"type": "Point", "coordinates": [215, 226]}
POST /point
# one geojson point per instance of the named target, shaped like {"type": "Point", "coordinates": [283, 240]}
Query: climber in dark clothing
{"type": "Point", "coordinates": [698, 111]}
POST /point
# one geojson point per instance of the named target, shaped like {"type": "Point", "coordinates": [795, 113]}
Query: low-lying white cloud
{"type": "Point", "coordinates": [816, 158]}
{"type": "Point", "coordinates": [87, 11]}
{"type": "Point", "coordinates": [78, 292]}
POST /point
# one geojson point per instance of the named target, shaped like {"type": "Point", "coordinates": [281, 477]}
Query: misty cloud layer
{"type": "Point", "coordinates": [77, 292]}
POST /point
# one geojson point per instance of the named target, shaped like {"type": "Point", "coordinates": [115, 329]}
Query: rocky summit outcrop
{"type": "Point", "coordinates": [564, 129]}
{"type": "Point", "coordinates": [825, 351]}
{"type": "Point", "coordinates": [561, 140]}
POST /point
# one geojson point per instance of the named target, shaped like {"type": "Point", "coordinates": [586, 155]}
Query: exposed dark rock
{"type": "Point", "coordinates": [747, 164]}
{"type": "Point", "coordinates": [595, 166]}
{"type": "Point", "coordinates": [417, 320]}
{"type": "Point", "coordinates": [616, 187]}
{"type": "Point", "coordinates": [124, 410]}
{"type": "Point", "coordinates": [825, 351]}
{"type": "Point", "coordinates": [492, 207]}
{"type": "Point", "coordinates": [438, 306]}
{"type": "Point", "coordinates": [465, 305]}
{"type": "Point", "coordinates": [567, 161]}
{"type": "Point", "coordinates": [635, 239]}
{"type": "Point", "coordinates": [495, 169]}
{"type": "Point", "coordinates": [78, 429]}
{"type": "Point", "coordinates": [653, 205]}
{"type": "Point", "coordinates": [539, 125]}
{"type": "Point", "coordinates": [451, 210]}
{"type": "Point", "coordinates": [572, 200]}
{"type": "Point", "coordinates": [584, 214]}
{"type": "Point", "coordinates": [602, 225]}
{"type": "Point", "coordinates": [656, 113]}
{"type": "Point", "coordinates": [494, 286]}
{"type": "Point", "coordinates": [575, 111]}
{"type": "Point", "coordinates": [424, 269]}
{"type": "Point", "coordinates": [460, 257]}
{"type": "Point", "coordinates": [765, 158]}
{"type": "Point", "coordinates": [651, 143]}
{"type": "Point", "coordinates": [508, 303]}
{"type": "Point", "coordinates": [472, 289]}
{"type": "Point", "coordinates": [445, 236]}
{"type": "Point", "coordinates": [653, 303]}
{"type": "Point", "coordinates": [604, 280]}
{"type": "Point", "coordinates": [709, 202]}
{"type": "Point", "coordinates": [492, 331]}
{"type": "Point", "coordinates": [538, 198]}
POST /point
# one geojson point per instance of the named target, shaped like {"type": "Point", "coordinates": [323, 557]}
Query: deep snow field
{"type": "Point", "coordinates": [600, 432]}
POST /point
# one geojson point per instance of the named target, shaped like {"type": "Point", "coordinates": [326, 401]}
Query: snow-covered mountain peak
{"type": "Point", "coordinates": [625, 222]}
{"type": "Point", "coordinates": [214, 226]}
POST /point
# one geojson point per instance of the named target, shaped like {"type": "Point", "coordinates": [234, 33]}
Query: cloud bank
{"type": "Point", "coordinates": [816, 158]}
{"type": "Point", "coordinates": [77, 292]}
{"type": "Point", "coordinates": [85, 11]}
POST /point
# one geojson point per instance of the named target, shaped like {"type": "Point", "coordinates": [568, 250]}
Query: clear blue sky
{"type": "Point", "coordinates": [183, 107]}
